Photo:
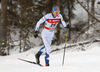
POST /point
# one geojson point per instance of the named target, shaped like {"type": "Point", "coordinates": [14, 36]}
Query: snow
{"type": "Point", "coordinates": [75, 61]}
{"type": "Point", "coordinates": [80, 61]}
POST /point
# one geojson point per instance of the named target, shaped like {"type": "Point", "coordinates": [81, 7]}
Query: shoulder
{"type": "Point", "coordinates": [60, 15]}
{"type": "Point", "coordinates": [47, 15]}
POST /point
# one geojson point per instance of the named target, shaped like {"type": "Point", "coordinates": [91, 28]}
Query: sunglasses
{"type": "Point", "coordinates": [56, 12]}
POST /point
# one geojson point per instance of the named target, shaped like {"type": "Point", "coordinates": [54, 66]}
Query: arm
{"type": "Point", "coordinates": [63, 22]}
{"type": "Point", "coordinates": [40, 22]}
{"type": "Point", "coordinates": [38, 25]}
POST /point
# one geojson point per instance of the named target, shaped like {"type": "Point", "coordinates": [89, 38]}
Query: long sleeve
{"type": "Point", "coordinates": [62, 21]}
{"type": "Point", "coordinates": [40, 22]}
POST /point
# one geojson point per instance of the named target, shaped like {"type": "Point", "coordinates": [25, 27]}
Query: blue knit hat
{"type": "Point", "coordinates": [56, 8]}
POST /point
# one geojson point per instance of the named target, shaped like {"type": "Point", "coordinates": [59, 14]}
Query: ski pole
{"type": "Point", "coordinates": [27, 38]}
{"type": "Point", "coordinates": [65, 48]}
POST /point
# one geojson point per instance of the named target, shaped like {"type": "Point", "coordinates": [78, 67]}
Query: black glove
{"type": "Point", "coordinates": [67, 26]}
{"type": "Point", "coordinates": [36, 34]}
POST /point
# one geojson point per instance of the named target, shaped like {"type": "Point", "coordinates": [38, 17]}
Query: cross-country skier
{"type": "Point", "coordinates": [51, 20]}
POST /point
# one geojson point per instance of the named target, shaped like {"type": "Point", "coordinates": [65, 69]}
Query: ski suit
{"type": "Point", "coordinates": [51, 22]}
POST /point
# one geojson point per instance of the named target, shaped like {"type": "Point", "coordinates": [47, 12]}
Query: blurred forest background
{"type": "Point", "coordinates": [18, 19]}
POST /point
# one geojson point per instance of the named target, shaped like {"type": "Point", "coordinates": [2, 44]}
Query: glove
{"type": "Point", "coordinates": [36, 34]}
{"type": "Point", "coordinates": [67, 26]}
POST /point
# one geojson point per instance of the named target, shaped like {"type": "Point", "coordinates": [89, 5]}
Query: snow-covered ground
{"type": "Point", "coordinates": [75, 61]}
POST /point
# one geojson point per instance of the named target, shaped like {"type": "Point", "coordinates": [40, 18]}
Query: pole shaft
{"type": "Point", "coordinates": [65, 48]}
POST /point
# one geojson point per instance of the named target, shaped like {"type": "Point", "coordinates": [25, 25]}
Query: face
{"type": "Point", "coordinates": [56, 13]}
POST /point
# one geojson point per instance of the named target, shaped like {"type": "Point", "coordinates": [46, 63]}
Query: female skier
{"type": "Point", "coordinates": [51, 20]}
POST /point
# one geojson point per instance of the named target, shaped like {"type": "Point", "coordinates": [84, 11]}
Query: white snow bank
{"type": "Point", "coordinates": [82, 61]}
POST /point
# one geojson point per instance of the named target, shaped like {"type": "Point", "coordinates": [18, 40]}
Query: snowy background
{"type": "Point", "coordinates": [76, 60]}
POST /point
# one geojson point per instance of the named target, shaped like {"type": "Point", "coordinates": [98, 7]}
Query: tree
{"type": "Point", "coordinates": [92, 25]}
{"type": "Point", "coordinates": [48, 6]}
{"type": "Point", "coordinates": [23, 16]}
{"type": "Point", "coordinates": [92, 9]}
{"type": "Point", "coordinates": [88, 12]}
{"type": "Point", "coordinates": [4, 23]}
{"type": "Point", "coordinates": [69, 16]}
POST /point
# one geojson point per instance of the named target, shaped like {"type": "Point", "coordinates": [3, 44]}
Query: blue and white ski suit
{"type": "Point", "coordinates": [51, 22]}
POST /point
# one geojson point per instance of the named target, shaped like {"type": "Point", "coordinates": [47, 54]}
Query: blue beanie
{"type": "Point", "coordinates": [56, 8]}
